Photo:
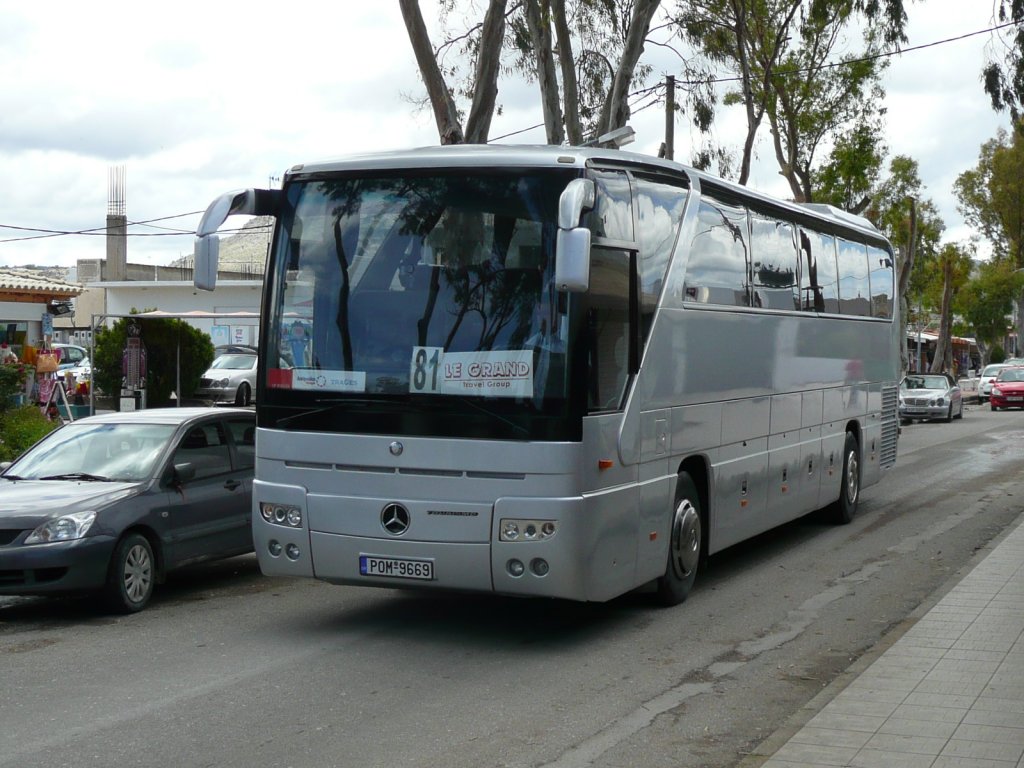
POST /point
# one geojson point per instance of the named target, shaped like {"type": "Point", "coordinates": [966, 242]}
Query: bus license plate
{"type": "Point", "coordinates": [396, 567]}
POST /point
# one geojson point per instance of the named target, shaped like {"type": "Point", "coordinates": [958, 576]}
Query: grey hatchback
{"type": "Point", "coordinates": [112, 503]}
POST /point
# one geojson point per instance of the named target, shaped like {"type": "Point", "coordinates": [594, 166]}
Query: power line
{"type": "Point", "coordinates": [102, 231]}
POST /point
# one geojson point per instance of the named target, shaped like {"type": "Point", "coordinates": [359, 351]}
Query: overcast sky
{"type": "Point", "coordinates": [207, 98]}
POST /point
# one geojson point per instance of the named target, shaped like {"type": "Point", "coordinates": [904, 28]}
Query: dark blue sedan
{"type": "Point", "coordinates": [111, 503]}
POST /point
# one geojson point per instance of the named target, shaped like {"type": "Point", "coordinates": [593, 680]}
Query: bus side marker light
{"type": "Point", "coordinates": [653, 535]}
{"type": "Point", "coordinates": [744, 502]}
{"type": "Point", "coordinates": [603, 464]}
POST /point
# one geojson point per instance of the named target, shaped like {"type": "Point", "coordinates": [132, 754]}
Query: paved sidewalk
{"type": "Point", "coordinates": [950, 692]}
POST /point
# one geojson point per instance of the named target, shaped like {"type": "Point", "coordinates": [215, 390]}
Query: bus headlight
{"type": "Point", "coordinates": [281, 514]}
{"type": "Point", "coordinates": [527, 530]}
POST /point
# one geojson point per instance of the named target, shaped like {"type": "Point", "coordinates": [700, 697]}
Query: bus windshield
{"type": "Point", "coordinates": [437, 285]}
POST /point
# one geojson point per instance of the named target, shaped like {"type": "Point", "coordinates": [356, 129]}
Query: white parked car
{"type": "Point", "coordinates": [988, 375]}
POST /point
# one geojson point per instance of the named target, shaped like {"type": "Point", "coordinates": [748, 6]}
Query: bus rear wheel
{"type": "Point", "coordinates": [845, 509]}
{"type": "Point", "coordinates": [686, 544]}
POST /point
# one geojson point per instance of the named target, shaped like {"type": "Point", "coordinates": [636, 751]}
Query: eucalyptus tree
{"type": "Point", "coordinates": [1003, 72]}
{"type": "Point", "coordinates": [791, 65]}
{"type": "Point", "coordinates": [991, 198]}
{"type": "Point", "coordinates": [584, 56]}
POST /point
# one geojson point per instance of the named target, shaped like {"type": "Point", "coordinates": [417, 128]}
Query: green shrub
{"type": "Point", "coordinates": [21, 428]}
{"type": "Point", "coordinates": [12, 382]}
{"type": "Point", "coordinates": [998, 355]}
{"type": "Point", "coordinates": [163, 338]}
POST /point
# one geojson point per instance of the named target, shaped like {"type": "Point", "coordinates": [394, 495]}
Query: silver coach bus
{"type": "Point", "coordinates": [555, 371]}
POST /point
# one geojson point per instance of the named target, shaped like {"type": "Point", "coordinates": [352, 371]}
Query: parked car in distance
{"type": "Point", "coordinates": [930, 396]}
{"type": "Point", "coordinates": [242, 349]}
{"type": "Point", "coordinates": [70, 355]}
{"type": "Point", "coordinates": [988, 375]}
{"type": "Point", "coordinates": [111, 503]}
{"type": "Point", "coordinates": [230, 378]}
{"type": "Point", "coordinates": [1008, 389]}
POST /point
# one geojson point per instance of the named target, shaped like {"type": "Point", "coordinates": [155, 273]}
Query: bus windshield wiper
{"type": "Point", "coordinates": [78, 476]}
{"type": "Point", "coordinates": [12, 477]}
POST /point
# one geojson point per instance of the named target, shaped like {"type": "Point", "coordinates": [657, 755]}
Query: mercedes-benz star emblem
{"type": "Point", "coordinates": [395, 519]}
{"type": "Point", "coordinates": [396, 448]}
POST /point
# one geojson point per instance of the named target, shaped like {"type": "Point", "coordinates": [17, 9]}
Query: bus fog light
{"type": "Point", "coordinates": [539, 566]}
{"type": "Point", "coordinates": [292, 551]}
{"type": "Point", "coordinates": [274, 547]}
{"type": "Point", "coordinates": [515, 568]}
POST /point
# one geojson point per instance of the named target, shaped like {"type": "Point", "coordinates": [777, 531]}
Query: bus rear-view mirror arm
{"type": "Point", "coordinates": [244, 202]}
{"type": "Point", "coordinates": [572, 244]}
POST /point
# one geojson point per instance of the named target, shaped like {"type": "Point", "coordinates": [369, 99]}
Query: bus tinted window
{"type": "Point", "coordinates": [660, 210]}
{"type": "Point", "coordinates": [612, 217]}
{"type": "Point", "coordinates": [854, 290]}
{"type": "Point", "coordinates": [773, 251]}
{"type": "Point", "coordinates": [881, 282]}
{"type": "Point", "coordinates": [819, 280]}
{"type": "Point", "coordinates": [718, 263]}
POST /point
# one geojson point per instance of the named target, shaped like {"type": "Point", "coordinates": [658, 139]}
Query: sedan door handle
{"type": "Point", "coordinates": [232, 484]}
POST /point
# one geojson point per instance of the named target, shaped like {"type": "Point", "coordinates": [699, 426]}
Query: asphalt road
{"type": "Point", "coordinates": [229, 668]}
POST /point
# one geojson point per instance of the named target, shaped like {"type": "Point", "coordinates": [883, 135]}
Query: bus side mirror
{"type": "Point", "coordinates": [245, 202]}
{"type": "Point", "coordinates": [572, 260]}
{"type": "Point", "coordinates": [572, 244]}
{"type": "Point", "coordinates": [206, 256]}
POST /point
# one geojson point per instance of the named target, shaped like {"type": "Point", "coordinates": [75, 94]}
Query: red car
{"type": "Point", "coordinates": [1008, 389]}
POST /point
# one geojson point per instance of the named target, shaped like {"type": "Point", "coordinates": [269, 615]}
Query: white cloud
{"type": "Point", "coordinates": [199, 98]}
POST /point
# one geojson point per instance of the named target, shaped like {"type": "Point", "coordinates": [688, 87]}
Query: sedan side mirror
{"type": "Point", "coordinates": [184, 472]}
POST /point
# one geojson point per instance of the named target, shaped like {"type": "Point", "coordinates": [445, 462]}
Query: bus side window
{"type": "Point", "coordinates": [854, 290]}
{"type": "Point", "coordinates": [773, 250]}
{"type": "Point", "coordinates": [659, 212]}
{"type": "Point", "coordinates": [718, 265]}
{"type": "Point", "coordinates": [819, 280]}
{"type": "Point", "coordinates": [881, 264]}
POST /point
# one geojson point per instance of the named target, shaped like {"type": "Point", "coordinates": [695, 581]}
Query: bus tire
{"type": "Point", "coordinates": [844, 509]}
{"type": "Point", "coordinates": [685, 546]}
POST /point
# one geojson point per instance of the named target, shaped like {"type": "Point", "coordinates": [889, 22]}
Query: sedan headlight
{"type": "Point", "coordinates": [995, 391]}
{"type": "Point", "coordinates": [63, 528]}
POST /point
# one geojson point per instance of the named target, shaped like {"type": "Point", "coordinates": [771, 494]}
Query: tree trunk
{"type": "Point", "coordinates": [567, 61]}
{"type": "Point", "coordinates": [538, 18]}
{"type": "Point", "coordinates": [944, 344]}
{"type": "Point", "coordinates": [903, 282]}
{"type": "Point", "coordinates": [616, 111]}
{"type": "Point", "coordinates": [485, 82]}
{"type": "Point", "coordinates": [446, 115]}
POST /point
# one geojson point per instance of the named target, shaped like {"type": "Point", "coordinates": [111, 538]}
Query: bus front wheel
{"type": "Point", "coordinates": [686, 544]}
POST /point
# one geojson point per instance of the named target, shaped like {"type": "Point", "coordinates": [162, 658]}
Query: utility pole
{"type": "Point", "coordinates": [670, 116]}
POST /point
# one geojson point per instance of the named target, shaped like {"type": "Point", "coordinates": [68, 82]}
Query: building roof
{"type": "Point", "coordinates": [27, 281]}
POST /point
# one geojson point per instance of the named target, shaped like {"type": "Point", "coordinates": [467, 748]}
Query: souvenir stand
{"type": "Point", "coordinates": [52, 392]}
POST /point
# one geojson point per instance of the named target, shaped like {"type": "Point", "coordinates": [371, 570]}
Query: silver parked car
{"type": "Point", "coordinates": [111, 503]}
{"type": "Point", "coordinates": [231, 378]}
{"type": "Point", "coordinates": [930, 396]}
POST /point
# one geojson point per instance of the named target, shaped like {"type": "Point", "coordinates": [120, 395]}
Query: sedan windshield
{"type": "Point", "coordinates": [82, 451]}
{"type": "Point", "coordinates": [1010, 374]}
{"type": "Point", "coordinates": [925, 382]}
{"type": "Point", "coordinates": [234, 362]}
